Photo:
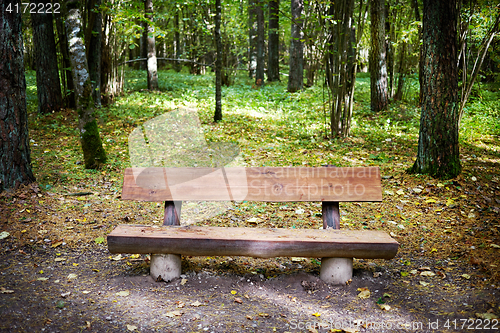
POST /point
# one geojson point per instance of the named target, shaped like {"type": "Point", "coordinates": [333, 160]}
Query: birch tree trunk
{"type": "Point", "coordinates": [152, 63]}
{"type": "Point", "coordinates": [15, 161]}
{"type": "Point", "coordinates": [93, 152]}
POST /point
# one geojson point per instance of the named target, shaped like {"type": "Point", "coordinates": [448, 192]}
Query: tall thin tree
{"type": "Point", "coordinates": [47, 76]}
{"type": "Point", "coordinates": [93, 152]}
{"type": "Point", "coordinates": [296, 72]}
{"type": "Point", "coordinates": [273, 65]}
{"type": "Point", "coordinates": [259, 72]}
{"type": "Point", "coordinates": [15, 160]}
{"type": "Point", "coordinates": [93, 39]}
{"type": "Point", "coordinates": [152, 65]}
{"type": "Point", "coordinates": [438, 149]}
{"type": "Point", "coordinates": [218, 64]}
{"type": "Point", "coordinates": [378, 64]}
{"type": "Point", "coordinates": [252, 38]}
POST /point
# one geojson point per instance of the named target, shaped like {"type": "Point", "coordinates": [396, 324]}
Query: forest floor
{"type": "Point", "coordinates": [56, 274]}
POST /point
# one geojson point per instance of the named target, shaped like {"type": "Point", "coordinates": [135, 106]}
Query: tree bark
{"type": "Point", "coordinates": [252, 38]}
{"type": "Point", "coordinates": [259, 73]}
{"type": "Point", "coordinates": [68, 86]}
{"type": "Point", "coordinates": [152, 63]}
{"type": "Point", "coordinates": [420, 55]}
{"type": "Point", "coordinates": [93, 152]}
{"type": "Point", "coordinates": [273, 65]}
{"type": "Point", "coordinates": [296, 72]}
{"type": "Point", "coordinates": [48, 85]}
{"type": "Point", "coordinates": [143, 44]}
{"type": "Point", "coordinates": [15, 160]}
{"type": "Point", "coordinates": [177, 65]}
{"type": "Point", "coordinates": [94, 51]}
{"type": "Point", "coordinates": [438, 150]}
{"type": "Point", "coordinates": [218, 64]}
{"type": "Point", "coordinates": [378, 65]}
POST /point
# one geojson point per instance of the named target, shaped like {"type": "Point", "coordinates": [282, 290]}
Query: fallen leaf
{"type": "Point", "coordinates": [66, 294]}
{"type": "Point", "coordinates": [377, 274]}
{"type": "Point", "coordinates": [59, 259]}
{"type": "Point", "coordinates": [117, 257]}
{"type": "Point", "coordinates": [384, 307]}
{"type": "Point", "coordinates": [413, 272]}
{"type": "Point", "coordinates": [234, 292]}
{"type": "Point", "coordinates": [197, 303]}
{"type": "Point", "coordinates": [183, 282]}
{"type": "Point", "coordinates": [85, 292]}
{"type": "Point", "coordinates": [299, 211]}
{"type": "Point", "coordinates": [123, 293]}
{"type": "Point", "coordinates": [264, 315]}
{"type": "Point", "coordinates": [495, 246]}
{"type": "Point", "coordinates": [425, 284]}
{"type": "Point", "coordinates": [42, 279]}
{"type": "Point", "coordinates": [316, 314]}
{"type": "Point", "coordinates": [6, 291]}
{"type": "Point", "coordinates": [465, 276]}
{"type": "Point", "coordinates": [364, 293]}
{"type": "Point", "coordinates": [386, 295]}
{"type": "Point", "coordinates": [473, 178]}
{"type": "Point", "coordinates": [172, 314]}
{"type": "Point", "coordinates": [4, 234]}
{"type": "Point", "coordinates": [417, 190]}
{"type": "Point", "coordinates": [72, 276]}
{"type": "Point", "coordinates": [487, 315]}
{"type": "Point", "coordinates": [441, 274]}
{"type": "Point", "coordinates": [238, 300]}
{"type": "Point", "coordinates": [430, 201]}
{"type": "Point", "coordinates": [400, 192]}
{"type": "Point", "coordinates": [427, 273]}
{"type": "Point", "coordinates": [254, 220]}
{"type": "Point", "coordinates": [180, 304]}
{"type": "Point", "coordinates": [131, 327]}
{"type": "Point", "coordinates": [249, 317]}
{"type": "Point", "coordinates": [388, 192]}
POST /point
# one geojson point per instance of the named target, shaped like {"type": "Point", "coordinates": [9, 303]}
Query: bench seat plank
{"type": "Point", "coordinates": [272, 184]}
{"type": "Point", "coordinates": [252, 242]}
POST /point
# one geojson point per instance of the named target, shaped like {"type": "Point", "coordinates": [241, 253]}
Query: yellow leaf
{"type": "Point", "coordinates": [56, 244]}
{"type": "Point", "coordinates": [430, 201]}
{"type": "Point", "coordinates": [75, 264]}
{"type": "Point", "coordinates": [378, 216]}
{"type": "Point", "coordinates": [425, 284]}
{"type": "Point", "coordinates": [316, 314]}
{"type": "Point", "coordinates": [400, 192]}
{"type": "Point", "coordinates": [440, 185]}
{"type": "Point", "coordinates": [450, 202]}
{"type": "Point", "coordinates": [495, 246]}
{"type": "Point", "coordinates": [123, 293]}
{"type": "Point", "coordinates": [234, 292]}
{"type": "Point", "coordinates": [434, 250]}
{"type": "Point", "coordinates": [465, 276]}
{"type": "Point", "coordinates": [183, 282]}
{"type": "Point", "coordinates": [23, 231]}
{"type": "Point", "coordinates": [134, 256]}
{"type": "Point", "coordinates": [427, 273]}
{"type": "Point", "coordinates": [384, 307]}
{"type": "Point", "coordinates": [487, 315]}
{"type": "Point", "coordinates": [364, 293]}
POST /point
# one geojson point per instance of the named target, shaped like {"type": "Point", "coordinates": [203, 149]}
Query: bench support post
{"type": "Point", "coordinates": [167, 267]}
{"type": "Point", "coordinates": [336, 270]}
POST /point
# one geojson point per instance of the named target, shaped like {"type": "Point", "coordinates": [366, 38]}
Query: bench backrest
{"type": "Point", "coordinates": [274, 184]}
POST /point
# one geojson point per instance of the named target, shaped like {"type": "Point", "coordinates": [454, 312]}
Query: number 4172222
{"type": "Point", "coordinates": [34, 8]}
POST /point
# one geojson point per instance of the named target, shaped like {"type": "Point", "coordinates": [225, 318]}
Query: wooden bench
{"type": "Point", "coordinates": [330, 185]}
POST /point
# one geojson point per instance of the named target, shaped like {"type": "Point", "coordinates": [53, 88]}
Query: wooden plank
{"type": "Point", "coordinates": [252, 242]}
{"type": "Point", "coordinates": [253, 184]}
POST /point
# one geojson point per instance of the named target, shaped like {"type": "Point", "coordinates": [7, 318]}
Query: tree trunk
{"type": "Point", "coordinates": [93, 152]}
{"type": "Point", "coordinates": [401, 73]}
{"type": "Point", "coordinates": [94, 51]}
{"type": "Point", "coordinates": [420, 55]}
{"type": "Point", "coordinates": [390, 19]}
{"type": "Point", "coordinates": [177, 37]}
{"type": "Point", "coordinates": [143, 44]}
{"type": "Point", "coordinates": [48, 86]}
{"type": "Point", "coordinates": [68, 87]}
{"type": "Point", "coordinates": [152, 64]}
{"type": "Point", "coordinates": [296, 72]}
{"type": "Point", "coordinates": [218, 64]}
{"type": "Point", "coordinates": [259, 73]}
{"type": "Point", "coordinates": [341, 66]}
{"type": "Point", "coordinates": [252, 38]}
{"type": "Point", "coordinates": [15, 160]}
{"type": "Point", "coordinates": [273, 65]}
{"type": "Point", "coordinates": [438, 150]}
{"type": "Point", "coordinates": [378, 66]}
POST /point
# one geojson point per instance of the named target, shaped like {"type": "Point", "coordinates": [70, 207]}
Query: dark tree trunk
{"type": "Point", "coordinates": [93, 152]}
{"type": "Point", "coordinates": [152, 63]}
{"type": "Point", "coordinates": [273, 65]}
{"type": "Point", "coordinates": [69, 89]}
{"type": "Point", "coordinates": [420, 55]}
{"type": "Point", "coordinates": [259, 73]}
{"type": "Point", "coordinates": [401, 73]}
{"type": "Point", "coordinates": [218, 64]}
{"type": "Point", "coordinates": [252, 38]}
{"type": "Point", "coordinates": [390, 38]}
{"type": "Point", "coordinates": [48, 86]}
{"type": "Point", "coordinates": [438, 150]}
{"type": "Point", "coordinates": [177, 36]}
{"type": "Point", "coordinates": [378, 66]}
{"type": "Point", "coordinates": [143, 44]}
{"type": "Point", "coordinates": [94, 50]}
{"type": "Point", "coordinates": [296, 72]}
{"type": "Point", "coordinates": [15, 160]}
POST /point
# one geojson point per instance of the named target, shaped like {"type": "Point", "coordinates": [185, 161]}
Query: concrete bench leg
{"type": "Point", "coordinates": [165, 267]}
{"type": "Point", "coordinates": [336, 270]}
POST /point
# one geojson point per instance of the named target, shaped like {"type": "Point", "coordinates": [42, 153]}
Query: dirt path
{"type": "Point", "coordinates": [64, 290]}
